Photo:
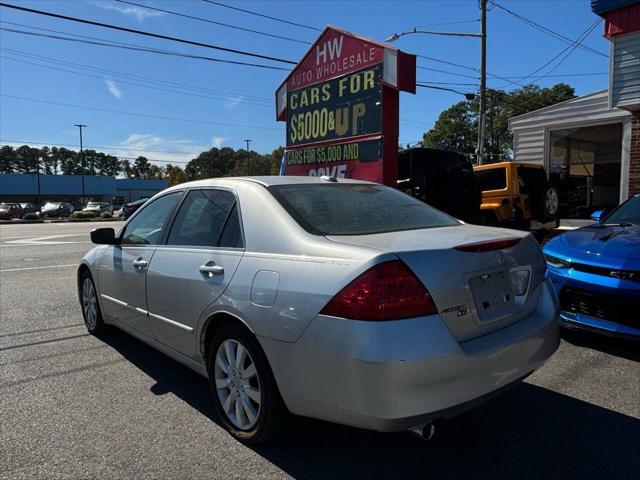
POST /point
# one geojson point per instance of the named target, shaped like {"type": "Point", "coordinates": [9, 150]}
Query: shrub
{"type": "Point", "coordinates": [106, 215]}
{"type": "Point", "coordinates": [82, 214]}
{"type": "Point", "coordinates": [31, 216]}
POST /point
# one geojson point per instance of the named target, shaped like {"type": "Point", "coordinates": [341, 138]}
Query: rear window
{"type": "Point", "coordinates": [356, 209]}
{"type": "Point", "coordinates": [494, 179]}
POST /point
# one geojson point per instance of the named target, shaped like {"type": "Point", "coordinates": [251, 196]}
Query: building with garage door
{"type": "Point", "coordinates": [585, 147]}
{"type": "Point", "coordinates": [590, 145]}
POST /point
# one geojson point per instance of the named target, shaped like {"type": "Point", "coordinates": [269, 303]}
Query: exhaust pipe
{"type": "Point", "coordinates": [425, 432]}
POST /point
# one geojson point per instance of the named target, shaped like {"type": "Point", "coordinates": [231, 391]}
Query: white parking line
{"type": "Point", "coordinates": [46, 240]}
{"type": "Point", "coordinates": [38, 268]}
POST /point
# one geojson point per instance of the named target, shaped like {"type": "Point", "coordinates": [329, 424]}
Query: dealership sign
{"type": "Point", "coordinates": [341, 107]}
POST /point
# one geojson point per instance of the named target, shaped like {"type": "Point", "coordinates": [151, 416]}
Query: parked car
{"type": "Point", "coordinates": [56, 209]}
{"type": "Point", "coordinates": [9, 211]}
{"type": "Point", "coordinates": [117, 211]}
{"type": "Point", "coordinates": [98, 207]}
{"type": "Point", "coordinates": [517, 195]}
{"type": "Point", "coordinates": [441, 178]}
{"type": "Point", "coordinates": [596, 272]}
{"type": "Point", "coordinates": [29, 208]}
{"type": "Point", "coordinates": [341, 300]}
{"type": "Point", "coordinates": [129, 209]}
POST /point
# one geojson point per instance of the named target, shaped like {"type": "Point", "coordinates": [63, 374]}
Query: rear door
{"type": "Point", "coordinates": [202, 252]}
{"type": "Point", "coordinates": [123, 267]}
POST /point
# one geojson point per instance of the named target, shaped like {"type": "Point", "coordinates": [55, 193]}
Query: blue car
{"type": "Point", "coordinates": [596, 272]}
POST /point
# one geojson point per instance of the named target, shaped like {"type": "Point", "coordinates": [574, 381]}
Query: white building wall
{"type": "Point", "coordinates": [624, 75]}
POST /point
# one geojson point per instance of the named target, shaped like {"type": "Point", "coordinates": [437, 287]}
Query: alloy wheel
{"type": "Point", "coordinates": [89, 303]}
{"type": "Point", "coordinates": [551, 201]}
{"type": "Point", "coordinates": [237, 384]}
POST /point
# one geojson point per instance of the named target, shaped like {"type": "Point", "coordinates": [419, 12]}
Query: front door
{"type": "Point", "coordinates": [202, 252]}
{"type": "Point", "coordinates": [123, 268]}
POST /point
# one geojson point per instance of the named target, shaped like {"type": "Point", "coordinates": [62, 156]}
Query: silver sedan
{"type": "Point", "coordinates": [340, 300]}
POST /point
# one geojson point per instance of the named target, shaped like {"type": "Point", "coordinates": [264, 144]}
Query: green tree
{"type": "Point", "coordinates": [216, 162]}
{"type": "Point", "coordinates": [456, 128]}
{"type": "Point", "coordinates": [175, 175]}
{"type": "Point", "coordinates": [8, 159]}
{"type": "Point", "coordinates": [141, 167]}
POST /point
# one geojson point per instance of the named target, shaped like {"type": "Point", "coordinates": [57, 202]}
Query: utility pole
{"type": "Point", "coordinates": [483, 80]}
{"type": "Point", "coordinates": [248, 141]}
{"type": "Point", "coordinates": [81, 126]}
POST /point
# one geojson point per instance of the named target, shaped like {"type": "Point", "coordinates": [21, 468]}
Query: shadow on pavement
{"type": "Point", "coordinates": [528, 432]}
{"type": "Point", "coordinates": [620, 347]}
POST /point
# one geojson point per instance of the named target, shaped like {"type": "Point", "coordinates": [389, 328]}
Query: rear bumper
{"type": "Point", "coordinates": [391, 376]}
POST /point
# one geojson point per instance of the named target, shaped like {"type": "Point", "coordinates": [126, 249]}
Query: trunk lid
{"type": "Point", "coordinates": [473, 291]}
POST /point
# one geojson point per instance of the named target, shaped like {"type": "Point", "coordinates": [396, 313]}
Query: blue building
{"type": "Point", "coordinates": [26, 187]}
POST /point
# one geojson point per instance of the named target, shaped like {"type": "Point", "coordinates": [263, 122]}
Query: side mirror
{"type": "Point", "coordinates": [597, 216]}
{"type": "Point", "coordinates": [103, 236]}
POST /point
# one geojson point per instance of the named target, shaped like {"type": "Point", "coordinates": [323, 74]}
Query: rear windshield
{"type": "Point", "coordinates": [493, 179]}
{"type": "Point", "coordinates": [356, 209]}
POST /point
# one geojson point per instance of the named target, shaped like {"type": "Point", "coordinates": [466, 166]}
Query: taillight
{"type": "Point", "coordinates": [387, 291]}
{"type": "Point", "coordinates": [488, 245]}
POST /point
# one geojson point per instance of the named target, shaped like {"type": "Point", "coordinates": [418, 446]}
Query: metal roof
{"type": "Point", "coordinates": [603, 6]}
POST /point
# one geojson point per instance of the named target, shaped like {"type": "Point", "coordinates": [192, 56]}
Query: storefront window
{"type": "Point", "coordinates": [584, 163]}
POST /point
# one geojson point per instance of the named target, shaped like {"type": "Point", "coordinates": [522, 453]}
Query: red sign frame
{"type": "Point", "coordinates": [338, 53]}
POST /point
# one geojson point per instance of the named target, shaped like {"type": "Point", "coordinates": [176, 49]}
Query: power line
{"type": "Point", "coordinates": [93, 147]}
{"type": "Point", "coordinates": [442, 88]}
{"type": "Point", "coordinates": [262, 15]}
{"type": "Point", "coordinates": [586, 74]}
{"type": "Point", "coordinates": [137, 114]}
{"type": "Point", "coordinates": [466, 67]}
{"type": "Point", "coordinates": [445, 71]}
{"type": "Point", "coordinates": [448, 83]}
{"type": "Point", "coordinates": [58, 61]}
{"type": "Point", "coordinates": [546, 30]}
{"type": "Point", "coordinates": [475, 20]}
{"type": "Point", "coordinates": [119, 157]}
{"type": "Point", "coordinates": [142, 85]}
{"type": "Point", "coordinates": [141, 49]}
{"type": "Point", "coordinates": [235, 27]}
{"type": "Point", "coordinates": [146, 34]}
{"type": "Point", "coordinates": [580, 39]}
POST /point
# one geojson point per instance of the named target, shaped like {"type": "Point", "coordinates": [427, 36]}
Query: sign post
{"type": "Point", "coordinates": [341, 107]}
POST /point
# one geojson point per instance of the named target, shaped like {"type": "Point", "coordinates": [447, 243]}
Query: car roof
{"type": "Point", "coordinates": [266, 181]}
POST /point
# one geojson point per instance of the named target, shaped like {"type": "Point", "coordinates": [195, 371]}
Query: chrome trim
{"type": "Point", "coordinates": [172, 322]}
{"type": "Point", "coordinates": [146, 312]}
{"type": "Point", "coordinates": [124, 304]}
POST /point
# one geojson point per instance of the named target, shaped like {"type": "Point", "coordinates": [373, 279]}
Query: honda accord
{"type": "Point", "coordinates": [341, 300]}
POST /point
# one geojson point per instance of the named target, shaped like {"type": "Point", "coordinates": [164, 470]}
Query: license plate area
{"type": "Point", "coordinates": [492, 293]}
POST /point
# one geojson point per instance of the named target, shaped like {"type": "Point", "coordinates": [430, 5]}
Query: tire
{"type": "Point", "coordinates": [228, 383]}
{"type": "Point", "coordinates": [90, 306]}
{"type": "Point", "coordinates": [545, 204]}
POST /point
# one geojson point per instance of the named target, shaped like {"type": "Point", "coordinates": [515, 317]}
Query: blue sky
{"type": "Point", "coordinates": [226, 94]}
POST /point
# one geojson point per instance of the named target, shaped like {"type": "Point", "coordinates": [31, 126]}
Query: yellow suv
{"type": "Point", "coordinates": [517, 195]}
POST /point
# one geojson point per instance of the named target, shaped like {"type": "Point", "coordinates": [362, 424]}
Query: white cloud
{"type": "Point", "coordinates": [155, 147]}
{"type": "Point", "coordinates": [113, 88]}
{"type": "Point", "coordinates": [218, 141]}
{"type": "Point", "coordinates": [140, 14]}
{"type": "Point", "coordinates": [232, 102]}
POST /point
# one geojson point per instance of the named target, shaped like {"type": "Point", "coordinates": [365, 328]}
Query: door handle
{"type": "Point", "coordinates": [211, 270]}
{"type": "Point", "coordinates": [140, 263]}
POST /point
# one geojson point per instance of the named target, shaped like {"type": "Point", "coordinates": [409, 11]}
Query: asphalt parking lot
{"type": "Point", "coordinates": [74, 406]}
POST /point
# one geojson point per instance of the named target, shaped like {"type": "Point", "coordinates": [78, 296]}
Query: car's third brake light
{"type": "Point", "coordinates": [387, 291]}
{"type": "Point", "coordinates": [488, 245]}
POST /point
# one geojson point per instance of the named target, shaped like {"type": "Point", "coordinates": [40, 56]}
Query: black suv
{"type": "Point", "coordinates": [441, 178]}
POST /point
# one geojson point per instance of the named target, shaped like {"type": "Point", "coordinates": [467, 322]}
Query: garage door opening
{"type": "Point", "coordinates": [584, 163]}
